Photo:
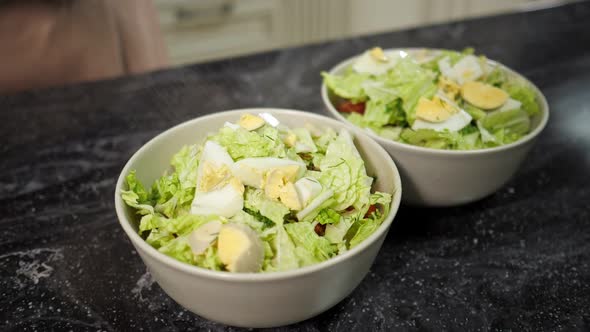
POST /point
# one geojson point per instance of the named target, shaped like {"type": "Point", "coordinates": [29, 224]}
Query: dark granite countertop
{"type": "Point", "coordinates": [517, 260]}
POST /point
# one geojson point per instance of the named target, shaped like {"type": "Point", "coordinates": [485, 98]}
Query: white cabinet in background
{"type": "Point", "coordinates": [200, 30]}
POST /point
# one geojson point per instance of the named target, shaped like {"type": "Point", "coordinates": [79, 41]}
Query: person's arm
{"type": "Point", "coordinates": [54, 42]}
{"type": "Point", "coordinates": [141, 36]}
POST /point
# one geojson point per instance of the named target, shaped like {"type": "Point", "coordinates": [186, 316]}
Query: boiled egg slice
{"type": "Point", "coordinates": [201, 238]}
{"type": "Point", "coordinates": [225, 202]}
{"type": "Point", "coordinates": [307, 189]}
{"type": "Point", "coordinates": [251, 122]}
{"type": "Point", "coordinates": [374, 61]}
{"type": "Point", "coordinates": [239, 248]}
{"type": "Point", "coordinates": [509, 105]}
{"type": "Point", "coordinates": [289, 197]}
{"type": "Point", "coordinates": [218, 192]}
{"type": "Point", "coordinates": [270, 119]}
{"type": "Point", "coordinates": [440, 114]}
{"type": "Point", "coordinates": [279, 185]}
{"type": "Point", "coordinates": [252, 171]}
{"type": "Point", "coordinates": [484, 96]}
{"type": "Point", "coordinates": [465, 70]}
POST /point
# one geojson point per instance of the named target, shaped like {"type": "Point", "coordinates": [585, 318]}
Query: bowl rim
{"type": "Point", "coordinates": [253, 277]}
{"type": "Point", "coordinates": [544, 112]}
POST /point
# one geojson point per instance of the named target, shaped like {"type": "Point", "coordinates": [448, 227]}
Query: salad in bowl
{"type": "Point", "coordinates": [258, 196]}
{"type": "Point", "coordinates": [439, 99]}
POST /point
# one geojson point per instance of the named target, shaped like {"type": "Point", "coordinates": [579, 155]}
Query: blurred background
{"type": "Point", "coordinates": [197, 31]}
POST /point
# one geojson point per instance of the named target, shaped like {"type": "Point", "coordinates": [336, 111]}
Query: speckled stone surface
{"type": "Point", "coordinates": [518, 260]}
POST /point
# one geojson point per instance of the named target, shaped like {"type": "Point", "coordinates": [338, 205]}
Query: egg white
{"type": "Point", "coordinates": [465, 70]}
{"type": "Point", "coordinates": [366, 64]}
{"type": "Point", "coordinates": [225, 201]}
{"type": "Point", "coordinates": [455, 122]}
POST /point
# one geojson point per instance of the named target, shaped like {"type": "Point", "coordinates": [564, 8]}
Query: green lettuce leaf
{"type": "Point", "coordinates": [335, 232]}
{"type": "Point", "coordinates": [411, 81]}
{"type": "Point", "coordinates": [357, 119]}
{"type": "Point", "coordinates": [389, 132]}
{"type": "Point", "coordinates": [377, 91]}
{"type": "Point", "coordinates": [256, 201]}
{"type": "Point", "coordinates": [365, 229]}
{"type": "Point", "coordinates": [497, 77]}
{"type": "Point", "coordinates": [430, 138]}
{"type": "Point", "coordinates": [328, 216]}
{"type": "Point", "coordinates": [178, 249]}
{"type": "Point", "coordinates": [343, 171]}
{"type": "Point", "coordinates": [136, 195]}
{"type": "Point", "coordinates": [304, 141]}
{"type": "Point", "coordinates": [476, 113]}
{"type": "Point", "coordinates": [520, 90]}
{"type": "Point", "coordinates": [173, 194]}
{"type": "Point", "coordinates": [377, 113]}
{"type": "Point", "coordinates": [210, 260]}
{"type": "Point", "coordinates": [349, 85]}
{"type": "Point", "coordinates": [252, 219]}
{"type": "Point", "coordinates": [285, 257]}
{"type": "Point", "coordinates": [325, 139]}
{"type": "Point", "coordinates": [169, 235]}
{"type": "Point", "coordinates": [305, 237]}
{"type": "Point", "coordinates": [514, 123]}
{"type": "Point", "coordinates": [240, 143]}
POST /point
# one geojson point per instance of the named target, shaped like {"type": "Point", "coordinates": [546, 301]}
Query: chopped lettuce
{"type": "Point", "coordinates": [343, 171]}
{"type": "Point", "coordinates": [305, 237]}
{"type": "Point", "coordinates": [328, 216]}
{"type": "Point", "coordinates": [330, 222]}
{"type": "Point", "coordinates": [284, 256]}
{"type": "Point", "coordinates": [520, 90]}
{"type": "Point", "coordinates": [241, 143]}
{"type": "Point", "coordinates": [348, 86]}
{"type": "Point", "coordinates": [391, 99]}
{"type": "Point", "coordinates": [507, 126]}
{"type": "Point", "coordinates": [430, 138]}
{"type": "Point", "coordinates": [412, 82]}
{"type": "Point", "coordinates": [255, 200]}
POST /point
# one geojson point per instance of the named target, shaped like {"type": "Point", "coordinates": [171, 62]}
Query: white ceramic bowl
{"type": "Point", "coordinates": [263, 299]}
{"type": "Point", "coordinates": [438, 178]}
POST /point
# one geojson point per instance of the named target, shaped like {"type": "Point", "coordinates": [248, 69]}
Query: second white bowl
{"type": "Point", "coordinates": [432, 177]}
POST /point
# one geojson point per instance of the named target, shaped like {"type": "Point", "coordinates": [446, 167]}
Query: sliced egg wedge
{"type": "Point", "coordinates": [434, 110]}
{"type": "Point", "coordinates": [226, 201]}
{"type": "Point", "coordinates": [239, 248]}
{"type": "Point", "coordinates": [456, 121]}
{"type": "Point", "coordinates": [484, 96]}
{"type": "Point", "coordinates": [307, 189]}
{"type": "Point", "coordinates": [374, 61]}
{"type": "Point", "coordinates": [509, 105]}
{"type": "Point", "coordinates": [251, 122]}
{"type": "Point", "coordinates": [218, 191]}
{"type": "Point", "coordinates": [279, 186]}
{"type": "Point", "coordinates": [465, 70]}
{"type": "Point", "coordinates": [288, 196]}
{"type": "Point", "coordinates": [290, 139]}
{"type": "Point", "coordinates": [449, 87]}
{"type": "Point", "coordinates": [252, 171]}
{"type": "Point", "coordinates": [270, 119]}
{"type": "Point", "coordinates": [201, 238]}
